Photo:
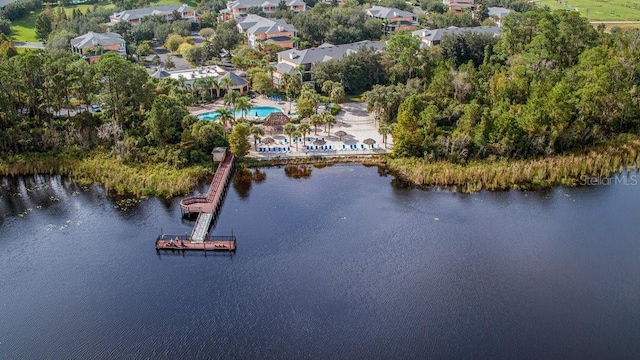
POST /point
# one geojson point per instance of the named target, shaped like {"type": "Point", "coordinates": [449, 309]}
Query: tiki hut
{"type": "Point", "coordinates": [276, 120]}
{"type": "Point", "coordinates": [340, 134]}
{"type": "Point", "coordinates": [369, 142]}
{"type": "Point", "coordinates": [268, 141]}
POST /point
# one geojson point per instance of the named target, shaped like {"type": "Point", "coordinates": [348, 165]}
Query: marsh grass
{"type": "Point", "coordinates": [566, 170]}
{"type": "Point", "coordinates": [117, 177]}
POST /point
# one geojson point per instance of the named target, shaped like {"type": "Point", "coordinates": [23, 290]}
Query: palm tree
{"type": "Point", "coordinates": [285, 81]}
{"type": "Point", "coordinates": [291, 83]}
{"type": "Point", "coordinates": [316, 120]}
{"type": "Point", "coordinates": [243, 104]}
{"type": "Point", "coordinates": [182, 82]}
{"type": "Point", "coordinates": [230, 99]}
{"type": "Point", "coordinates": [258, 133]}
{"type": "Point", "coordinates": [329, 120]}
{"type": "Point", "coordinates": [213, 84]}
{"type": "Point", "coordinates": [225, 83]}
{"type": "Point", "coordinates": [304, 129]}
{"type": "Point", "coordinates": [384, 130]}
{"type": "Point", "coordinates": [269, 68]}
{"type": "Point", "coordinates": [337, 93]}
{"type": "Point", "coordinates": [296, 134]}
{"type": "Point", "coordinates": [301, 70]}
{"type": "Point", "coordinates": [225, 116]}
{"type": "Point", "coordinates": [201, 85]}
{"type": "Point", "coordinates": [288, 130]}
{"type": "Point", "coordinates": [209, 81]}
{"type": "Point", "coordinates": [295, 41]}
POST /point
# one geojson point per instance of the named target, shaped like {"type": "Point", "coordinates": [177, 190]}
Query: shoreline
{"type": "Point", "coordinates": [573, 169]}
{"type": "Point", "coordinates": [141, 180]}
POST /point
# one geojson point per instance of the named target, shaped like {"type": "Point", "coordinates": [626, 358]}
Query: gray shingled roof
{"type": "Point", "coordinates": [261, 3]}
{"type": "Point", "coordinates": [155, 10]}
{"type": "Point", "coordinates": [499, 12]}
{"type": "Point", "coordinates": [284, 68]}
{"type": "Point", "coordinates": [384, 12]}
{"type": "Point", "coordinates": [254, 24]}
{"type": "Point", "coordinates": [324, 53]}
{"type": "Point", "coordinates": [237, 79]}
{"type": "Point", "coordinates": [438, 34]}
{"type": "Point", "coordinates": [161, 73]}
{"type": "Point", "coordinates": [461, 4]}
{"type": "Point", "coordinates": [92, 39]}
{"type": "Point", "coordinates": [251, 3]}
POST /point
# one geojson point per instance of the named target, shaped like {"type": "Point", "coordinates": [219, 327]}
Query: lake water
{"type": "Point", "coordinates": [338, 264]}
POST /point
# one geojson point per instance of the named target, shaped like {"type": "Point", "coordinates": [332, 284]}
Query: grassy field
{"type": "Point", "coordinates": [191, 3]}
{"type": "Point", "coordinates": [622, 26]}
{"type": "Point", "coordinates": [83, 7]}
{"type": "Point", "coordinates": [25, 28]}
{"type": "Point", "coordinates": [603, 10]}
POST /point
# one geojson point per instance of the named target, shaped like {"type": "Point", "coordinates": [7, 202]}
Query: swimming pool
{"type": "Point", "coordinates": [256, 111]}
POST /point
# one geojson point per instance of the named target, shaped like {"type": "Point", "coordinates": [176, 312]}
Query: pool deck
{"type": "Point", "coordinates": [355, 120]}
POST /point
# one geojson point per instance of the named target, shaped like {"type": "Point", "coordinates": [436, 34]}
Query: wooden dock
{"type": "Point", "coordinates": [184, 243]}
{"type": "Point", "coordinates": [207, 208]}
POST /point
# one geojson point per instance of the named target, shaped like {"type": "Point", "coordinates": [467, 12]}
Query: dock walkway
{"type": "Point", "coordinates": [207, 208]}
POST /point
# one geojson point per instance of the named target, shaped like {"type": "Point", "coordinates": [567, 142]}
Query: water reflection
{"type": "Point", "coordinates": [298, 171]}
{"type": "Point", "coordinates": [243, 179]}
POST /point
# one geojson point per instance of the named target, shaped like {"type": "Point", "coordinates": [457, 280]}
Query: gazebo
{"type": "Point", "coordinates": [218, 153]}
{"type": "Point", "coordinates": [276, 120]}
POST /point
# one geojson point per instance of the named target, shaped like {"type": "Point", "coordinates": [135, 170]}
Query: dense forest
{"type": "Point", "coordinates": [550, 84]}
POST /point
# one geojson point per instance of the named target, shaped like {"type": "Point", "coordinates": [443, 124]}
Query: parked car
{"type": "Point", "coordinates": [96, 108]}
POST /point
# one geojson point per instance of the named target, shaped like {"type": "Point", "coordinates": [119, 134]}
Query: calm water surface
{"type": "Point", "coordinates": [339, 265]}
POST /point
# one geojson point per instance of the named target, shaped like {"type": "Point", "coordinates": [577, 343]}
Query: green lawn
{"type": "Point", "coordinates": [83, 7]}
{"type": "Point", "coordinates": [603, 10]}
{"type": "Point", "coordinates": [25, 28]}
{"type": "Point", "coordinates": [191, 3]}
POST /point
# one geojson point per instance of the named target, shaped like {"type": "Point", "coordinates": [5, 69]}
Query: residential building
{"type": "Point", "coordinates": [91, 45]}
{"type": "Point", "coordinates": [459, 6]}
{"type": "Point", "coordinates": [498, 13]}
{"type": "Point", "coordinates": [393, 19]}
{"type": "Point", "coordinates": [301, 61]}
{"type": "Point", "coordinates": [134, 16]}
{"type": "Point", "coordinates": [262, 30]}
{"type": "Point", "coordinates": [238, 83]}
{"type": "Point", "coordinates": [239, 8]}
{"type": "Point", "coordinates": [433, 37]}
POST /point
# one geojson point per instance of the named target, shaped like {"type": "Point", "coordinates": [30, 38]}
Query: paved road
{"type": "Point", "coordinates": [29, 45]}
